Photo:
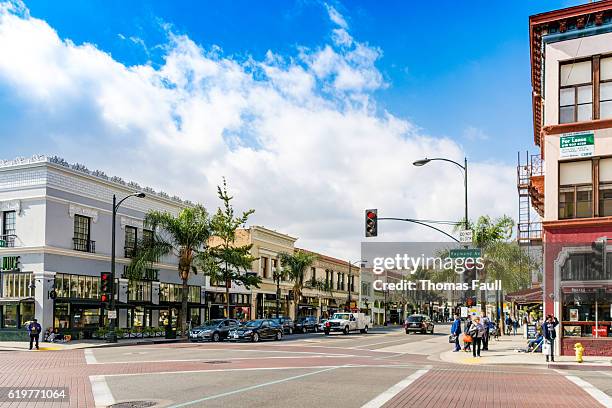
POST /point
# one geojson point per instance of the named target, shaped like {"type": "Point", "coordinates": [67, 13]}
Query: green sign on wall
{"type": "Point", "coordinates": [578, 144]}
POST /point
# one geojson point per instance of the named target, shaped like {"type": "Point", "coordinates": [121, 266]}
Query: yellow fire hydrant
{"type": "Point", "coordinates": [579, 348]}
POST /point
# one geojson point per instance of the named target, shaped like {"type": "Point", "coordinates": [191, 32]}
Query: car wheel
{"type": "Point", "coordinates": [279, 336]}
{"type": "Point", "coordinates": [216, 337]}
{"type": "Point", "coordinates": [407, 332]}
{"type": "Point", "coordinates": [255, 337]}
{"type": "Point", "coordinates": [346, 330]}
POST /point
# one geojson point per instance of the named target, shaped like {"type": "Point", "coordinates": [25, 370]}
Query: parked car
{"type": "Point", "coordinates": [321, 325]}
{"type": "Point", "coordinates": [306, 323]}
{"type": "Point", "coordinates": [256, 330]}
{"type": "Point", "coordinates": [419, 323]}
{"type": "Point", "coordinates": [286, 323]}
{"type": "Point", "coordinates": [213, 330]}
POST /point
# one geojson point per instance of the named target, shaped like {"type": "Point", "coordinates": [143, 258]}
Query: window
{"type": "Point", "coordinates": [17, 285]}
{"type": "Point", "coordinates": [605, 88]}
{"type": "Point", "coordinates": [575, 189]}
{"type": "Point", "coordinates": [8, 228]}
{"type": "Point", "coordinates": [131, 234]}
{"type": "Point", "coordinates": [264, 267]}
{"type": "Point", "coordinates": [139, 291]}
{"type": "Point", "coordinates": [171, 292]}
{"type": "Point", "coordinates": [575, 92]}
{"type": "Point", "coordinates": [82, 234]}
{"type": "Point", "coordinates": [147, 237]}
{"type": "Point", "coordinates": [77, 286]}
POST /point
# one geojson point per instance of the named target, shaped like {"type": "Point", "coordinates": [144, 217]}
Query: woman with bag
{"type": "Point", "coordinates": [477, 331]}
{"type": "Point", "coordinates": [467, 339]}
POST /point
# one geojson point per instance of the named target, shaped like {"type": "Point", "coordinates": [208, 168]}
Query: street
{"type": "Point", "coordinates": [383, 368]}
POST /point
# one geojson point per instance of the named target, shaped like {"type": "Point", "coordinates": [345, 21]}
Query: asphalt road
{"type": "Point", "coordinates": [382, 368]}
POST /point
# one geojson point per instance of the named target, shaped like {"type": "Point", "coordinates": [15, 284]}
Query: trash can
{"type": "Point", "coordinates": [170, 332]}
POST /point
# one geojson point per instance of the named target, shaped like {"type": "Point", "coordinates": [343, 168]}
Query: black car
{"type": "Point", "coordinates": [256, 330]}
{"type": "Point", "coordinates": [213, 330]}
{"type": "Point", "coordinates": [419, 323]}
{"type": "Point", "coordinates": [286, 323]}
{"type": "Point", "coordinates": [306, 324]}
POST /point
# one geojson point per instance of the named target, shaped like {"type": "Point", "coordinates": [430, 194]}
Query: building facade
{"type": "Point", "coordinates": [571, 68]}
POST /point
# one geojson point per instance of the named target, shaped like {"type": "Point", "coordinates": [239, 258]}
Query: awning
{"type": "Point", "coordinates": [532, 295]}
{"type": "Point", "coordinates": [9, 301]}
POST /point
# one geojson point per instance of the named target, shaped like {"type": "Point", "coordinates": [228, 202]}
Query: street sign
{"type": "Point", "coordinates": [112, 314]}
{"type": "Point", "coordinates": [465, 253]}
{"type": "Point", "coordinates": [466, 236]}
{"type": "Point", "coordinates": [577, 144]}
{"type": "Point", "coordinates": [464, 311]}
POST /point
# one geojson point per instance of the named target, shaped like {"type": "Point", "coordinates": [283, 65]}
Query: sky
{"type": "Point", "coordinates": [312, 110]}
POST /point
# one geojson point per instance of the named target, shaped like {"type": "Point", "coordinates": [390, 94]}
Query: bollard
{"type": "Point", "coordinates": [579, 348]}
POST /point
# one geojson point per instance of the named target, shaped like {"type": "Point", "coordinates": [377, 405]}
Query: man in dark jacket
{"type": "Point", "coordinates": [466, 329]}
{"type": "Point", "coordinates": [34, 330]}
{"type": "Point", "coordinates": [456, 331]}
{"type": "Point", "coordinates": [549, 332]}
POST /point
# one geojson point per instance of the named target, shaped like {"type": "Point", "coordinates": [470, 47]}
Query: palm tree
{"type": "Point", "coordinates": [185, 236]}
{"type": "Point", "coordinates": [225, 261]}
{"type": "Point", "coordinates": [295, 266]}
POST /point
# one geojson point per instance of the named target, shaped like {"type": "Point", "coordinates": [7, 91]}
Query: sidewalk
{"type": "Point", "coordinates": [503, 351]}
{"type": "Point", "coordinates": [81, 344]}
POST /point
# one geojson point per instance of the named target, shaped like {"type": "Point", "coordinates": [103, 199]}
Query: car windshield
{"type": "Point", "coordinates": [211, 322]}
{"type": "Point", "coordinates": [253, 323]}
{"type": "Point", "coordinates": [341, 316]}
{"type": "Point", "coordinates": [415, 318]}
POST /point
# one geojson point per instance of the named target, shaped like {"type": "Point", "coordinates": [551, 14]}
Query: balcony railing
{"type": "Point", "coordinates": [84, 245]}
{"type": "Point", "coordinates": [7, 240]}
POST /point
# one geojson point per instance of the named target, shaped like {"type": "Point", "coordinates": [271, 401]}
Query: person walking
{"type": "Point", "coordinates": [549, 332]}
{"type": "Point", "coordinates": [466, 329]}
{"type": "Point", "coordinates": [34, 330]}
{"type": "Point", "coordinates": [486, 324]}
{"type": "Point", "coordinates": [508, 324]}
{"type": "Point", "coordinates": [515, 325]}
{"type": "Point", "coordinates": [456, 331]}
{"type": "Point", "coordinates": [477, 332]}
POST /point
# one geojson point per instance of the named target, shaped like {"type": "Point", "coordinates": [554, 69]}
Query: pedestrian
{"type": "Point", "coordinates": [477, 332]}
{"type": "Point", "coordinates": [456, 331]}
{"type": "Point", "coordinates": [468, 324]}
{"type": "Point", "coordinates": [515, 325]}
{"type": "Point", "coordinates": [486, 324]}
{"type": "Point", "coordinates": [34, 330]}
{"type": "Point", "coordinates": [549, 332]}
{"type": "Point", "coordinates": [508, 324]}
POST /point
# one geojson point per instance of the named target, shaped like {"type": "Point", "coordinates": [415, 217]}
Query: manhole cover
{"type": "Point", "coordinates": [216, 362]}
{"type": "Point", "coordinates": [134, 404]}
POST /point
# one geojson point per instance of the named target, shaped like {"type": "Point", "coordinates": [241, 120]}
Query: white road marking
{"type": "Point", "coordinates": [252, 387]}
{"type": "Point", "coordinates": [89, 357]}
{"type": "Point", "coordinates": [103, 397]}
{"type": "Point", "coordinates": [594, 392]}
{"type": "Point", "coordinates": [394, 390]}
{"type": "Point", "coordinates": [606, 373]}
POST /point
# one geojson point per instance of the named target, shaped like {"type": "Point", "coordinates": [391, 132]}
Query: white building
{"type": "Point", "coordinates": [55, 222]}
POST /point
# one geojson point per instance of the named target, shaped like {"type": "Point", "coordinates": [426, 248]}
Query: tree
{"type": "Point", "coordinates": [295, 266]}
{"type": "Point", "coordinates": [225, 261]}
{"type": "Point", "coordinates": [185, 236]}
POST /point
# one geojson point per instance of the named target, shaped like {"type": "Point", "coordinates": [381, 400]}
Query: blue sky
{"type": "Point", "coordinates": [455, 71]}
{"type": "Point", "coordinates": [312, 110]}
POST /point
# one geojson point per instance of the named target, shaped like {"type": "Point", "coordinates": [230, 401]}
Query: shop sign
{"type": "Point", "coordinates": [532, 333]}
{"type": "Point", "coordinates": [112, 314]}
{"type": "Point", "coordinates": [464, 311]}
{"type": "Point", "coordinates": [10, 264]}
{"type": "Point", "coordinates": [577, 144]}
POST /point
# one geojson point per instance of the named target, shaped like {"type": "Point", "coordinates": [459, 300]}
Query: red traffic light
{"type": "Point", "coordinates": [104, 298]}
{"type": "Point", "coordinates": [371, 215]}
{"type": "Point", "coordinates": [105, 276]}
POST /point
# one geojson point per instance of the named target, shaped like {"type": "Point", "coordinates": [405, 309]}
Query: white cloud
{"type": "Point", "coordinates": [473, 133]}
{"type": "Point", "coordinates": [299, 138]}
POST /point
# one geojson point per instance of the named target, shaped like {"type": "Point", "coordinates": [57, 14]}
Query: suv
{"type": "Point", "coordinates": [306, 324]}
{"type": "Point", "coordinates": [286, 323]}
{"type": "Point", "coordinates": [213, 330]}
{"type": "Point", "coordinates": [419, 323]}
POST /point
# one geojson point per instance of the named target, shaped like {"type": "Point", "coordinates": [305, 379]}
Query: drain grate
{"type": "Point", "coordinates": [133, 404]}
{"type": "Point", "coordinates": [217, 362]}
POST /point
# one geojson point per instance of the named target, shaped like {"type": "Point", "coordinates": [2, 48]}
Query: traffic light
{"type": "Point", "coordinates": [106, 289]}
{"type": "Point", "coordinates": [598, 256]}
{"type": "Point", "coordinates": [371, 223]}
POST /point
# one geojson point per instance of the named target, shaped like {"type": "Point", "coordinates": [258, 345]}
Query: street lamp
{"type": "Point", "coordinates": [277, 277]}
{"type": "Point", "coordinates": [112, 338]}
{"type": "Point", "coordinates": [464, 167]}
{"type": "Point", "coordinates": [350, 264]}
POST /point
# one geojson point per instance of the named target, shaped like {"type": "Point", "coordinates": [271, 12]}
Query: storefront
{"type": "Point", "coordinates": [16, 299]}
{"type": "Point", "coordinates": [240, 306]}
{"type": "Point", "coordinates": [266, 306]}
{"type": "Point", "coordinates": [76, 309]}
{"type": "Point", "coordinates": [170, 296]}
{"type": "Point", "coordinates": [308, 306]}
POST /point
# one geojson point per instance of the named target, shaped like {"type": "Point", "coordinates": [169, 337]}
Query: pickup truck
{"type": "Point", "coordinates": [347, 322]}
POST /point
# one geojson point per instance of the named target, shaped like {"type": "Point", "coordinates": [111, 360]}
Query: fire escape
{"type": "Point", "coordinates": [530, 186]}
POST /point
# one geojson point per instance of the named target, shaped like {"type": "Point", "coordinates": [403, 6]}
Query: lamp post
{"type": "Point", "coordinates": [350, 264]}
{"type": "Point", "coordinates": [463, 167]}
{"type": "Point", "coordinates": [277, 277]}
{"type": "Point", "coordinates": [112, 338]}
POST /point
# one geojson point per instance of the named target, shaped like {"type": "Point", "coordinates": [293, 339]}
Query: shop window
{"type": "Point", "coordinates": [139, 291]}
{"type": "Point", "coordinates": [575, 92]}
{"type": "Point", "coordinates": [17, 285]}
{"type": "Point", "coordinates": [62, 316]}
{"type": "Point", "coordinates": [575, 190]}
{"type": "Point", "coordinates": [9, 316]}
{"type": "Point", "coordinates": [585, 310]}
{"type": "Point", "coordinates": [26, 312]}
{"type": "Point", "coordinates": [77, 286]}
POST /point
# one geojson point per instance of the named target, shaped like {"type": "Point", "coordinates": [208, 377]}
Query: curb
{"type": "Point", "coordinates": [105, 345]}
